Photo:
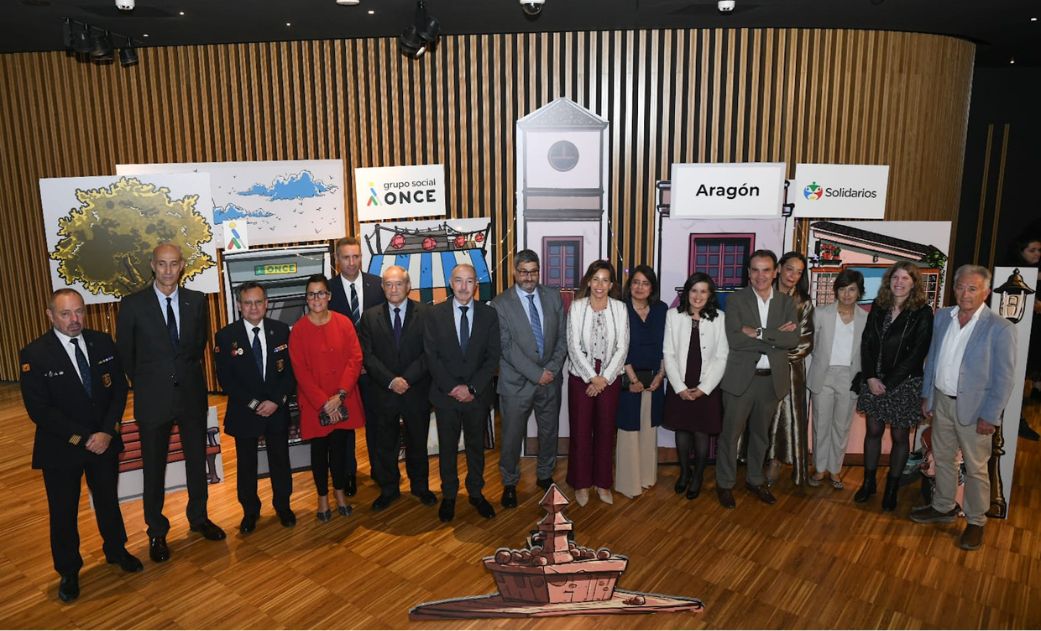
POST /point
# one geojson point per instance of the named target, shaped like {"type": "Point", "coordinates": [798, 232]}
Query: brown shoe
{"type": "Point", "coordinates": [726, 497]}
{"type": "Point", "coordinates": [762, 492]}
{"type": "Point", "coordinates": [971, 538]}
{"type": "Point", "coordinates": [929, 515]}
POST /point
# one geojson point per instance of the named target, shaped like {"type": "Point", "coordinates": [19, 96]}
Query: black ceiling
{"type": "Point", "coordinates": [1002, 28]}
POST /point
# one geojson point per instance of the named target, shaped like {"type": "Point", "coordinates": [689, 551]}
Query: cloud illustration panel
{"type": "Point", "coordinates": [282, 201]}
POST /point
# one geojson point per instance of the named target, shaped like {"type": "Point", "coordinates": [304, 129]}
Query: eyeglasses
{"type": "Point", "coordinates": [315, 295]}
{"type": "Point", "coordinates": [528, 272]}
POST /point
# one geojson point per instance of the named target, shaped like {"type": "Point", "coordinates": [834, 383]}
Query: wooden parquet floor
{"type": "Point", "coordinates": [813, 560]}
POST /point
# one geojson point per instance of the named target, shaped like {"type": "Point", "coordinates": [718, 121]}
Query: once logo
{"type": "Point", "coordinates": [274, 269]}
{"type": "Point", "coordinates": [813, 191]}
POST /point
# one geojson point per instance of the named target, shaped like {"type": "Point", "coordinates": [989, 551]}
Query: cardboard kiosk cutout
{"type": "Point", "coordinates": [562, 165]}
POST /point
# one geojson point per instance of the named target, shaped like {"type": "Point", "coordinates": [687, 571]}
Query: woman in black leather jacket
{"type": "Point", "coordinates": [892, 352]}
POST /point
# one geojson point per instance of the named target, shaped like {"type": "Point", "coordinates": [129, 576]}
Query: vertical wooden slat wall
{"type": "Point", "coordinates": [671, 96]}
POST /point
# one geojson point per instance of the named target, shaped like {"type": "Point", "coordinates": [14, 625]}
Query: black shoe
{"type": "Point", "coordinates": [683, 482]}
{"type": "Point", "coordinates": [726, 497]}
{"type": "Point", "coordinates": [545, 483]}
{"type": "Point", "coordinates": [384, 501]}
{"type": "Point", "coordinates": [345, 510]}
{"type": "Point", "coordinates": [158, 550]}
{"type": "Point", "coordinates": [509, 497]}
{"type": "Point", "coordinates": [426, 497]}
{"type": "Point", "coordinates": [351, 487]}
{"type": "Point", "coordinates": [248, 525]}
{"type": "Point", "coordinates": [889, 496]}
{"type": "Point", "coordinates": [324, 515]}
{"type": "Point", "coordinates": [1025, 431]}
{"type": "Point", "coordinates": [484, 509]}
{"type": "Point", "coordinates": [761, 491]}
{"type": "Point", "coordinates": [69, 587]}
{"type": "Point", "coordinates": [694, 489]}
{"type": "Point", "coordinates": [127, 562]}
{"type": "Point", "coordinates": [287, 518]}
{"type": "Point", "coordinates": [447, 511]}
{"type": "Point", "coordinates": [209, 530]}
{"type": "Point", "coordinates": [865, 492]}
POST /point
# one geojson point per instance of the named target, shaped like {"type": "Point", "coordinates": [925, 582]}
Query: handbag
{"type": "Point", "coordinates": [643, 376]}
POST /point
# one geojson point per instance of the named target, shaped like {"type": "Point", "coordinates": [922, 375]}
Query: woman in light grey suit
{"type": "Point", "coordinates": [836, 360]}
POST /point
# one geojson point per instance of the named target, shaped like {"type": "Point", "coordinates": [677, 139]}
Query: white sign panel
{"type": "Point", "coordinates": [738, 190]}
{"type": "Point", "coordinates": [387, 193]}
{"type": "Point", "coordinates": [840, 190]}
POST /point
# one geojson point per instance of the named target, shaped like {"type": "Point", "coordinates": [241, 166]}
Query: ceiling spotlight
{"type": "Point", "coordinates": [726, 6]}
{"type": "Point", "coordinates": [100, 47]}
{"type": "Point", "coordinates": [1033, 19]}
{"type": "Point", "coordinates": [128, 54]}
{"type": "Point", "coordinates": [348, 2]}
{"type": "Point", "coordinates": [81, 41]}
{"type": "Point", "coordinates": [371, 12]}
{"type": "Point", "coordinates": [1012, 61]}
{"type": "Point", "coordinates": [421, 35]}
{"type": "Point", "coordinates": [532, 7]}
{"type": "Point", "coordinates": [125, 5]}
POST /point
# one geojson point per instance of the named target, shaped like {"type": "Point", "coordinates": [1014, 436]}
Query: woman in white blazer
{"type": "Point", "coordinates": [835, 362]}
{"type": "Point", "coordinates": [695, 354]}
{"type": "Point", "coordinates": [598, 342]}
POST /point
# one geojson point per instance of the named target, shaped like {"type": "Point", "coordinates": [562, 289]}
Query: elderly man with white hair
{"type": "Point", "coordinates": [968, 379]}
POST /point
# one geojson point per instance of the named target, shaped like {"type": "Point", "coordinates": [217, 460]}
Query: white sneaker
{"type": "Point", "coordinates": [605, 496]}
{"type": "Point", "coordinates": [582, 496]}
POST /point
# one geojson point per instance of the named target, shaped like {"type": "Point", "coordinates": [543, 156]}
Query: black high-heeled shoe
{"type": "Point", "coordinates": [683, 482]}
{"type": "Point", "coordinates": [889, 496]}
{"type": "Point", "coordinates": [695, 485]}
{"type": "Point", "coordinates": [324, 516]}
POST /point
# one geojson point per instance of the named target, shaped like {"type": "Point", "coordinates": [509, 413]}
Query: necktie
{"type": "Point", "coordinates": [258, 352]}
{"type": "Point", "coordinates": [171, 323]}
{"type": "Point", "coordinates": [464, 329]}
{"type": "Point", "coordinates": [355, 315]}
{"type": "Point", "coordinates": [397, 326]}
{"type": "Point", "coordinates": [81, 361]}
{"type": "Point", "coordinates": [536, 324]}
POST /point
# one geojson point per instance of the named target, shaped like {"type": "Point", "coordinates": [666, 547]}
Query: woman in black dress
{"type": "Point", "coordinates": [892, 352]}
{"type": "Point", "coordinates": [695, 353]}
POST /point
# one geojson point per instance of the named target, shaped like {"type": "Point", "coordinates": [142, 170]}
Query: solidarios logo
{"type": "Point", "coordinates": [813, 192]}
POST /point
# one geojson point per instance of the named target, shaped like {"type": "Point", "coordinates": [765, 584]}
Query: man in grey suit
{"type": "Point", "coordinates": [534, 345]}
{"type": "Point", "coordinates": [968, 379]}
{"type": "Point", "coordinates": [761, 327]}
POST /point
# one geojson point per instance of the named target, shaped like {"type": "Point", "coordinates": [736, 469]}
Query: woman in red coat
{"type": "Point", "coordinates": [326, 360]}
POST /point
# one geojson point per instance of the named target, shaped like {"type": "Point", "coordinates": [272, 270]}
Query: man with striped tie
{"type": "Point", "coordinates": [534, 345]}
{"type": "Point", "coordinates": [354, 291]}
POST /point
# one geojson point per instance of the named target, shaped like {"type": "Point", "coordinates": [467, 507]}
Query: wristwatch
{"type": "Point", "coordinates": [472, 390]}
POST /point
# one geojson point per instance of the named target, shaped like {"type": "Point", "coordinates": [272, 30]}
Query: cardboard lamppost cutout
{"type": "Point", "coordinates": [1014, 299]}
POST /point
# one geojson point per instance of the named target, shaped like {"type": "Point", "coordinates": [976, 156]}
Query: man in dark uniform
{"type": "Point", "coordinates": [253, 368]}
{"type": "Point", "coordinates": [391, 337]}
{"type": "Point", "coordinates": [162, 332]}
{"type": "Point", "coordinates": [74, 390]}
{"type": "Point", "coordinates": [353, 291]}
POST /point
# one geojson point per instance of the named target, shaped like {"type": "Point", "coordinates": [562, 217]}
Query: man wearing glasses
{"type": "Point", "coordinates": [534, 345]}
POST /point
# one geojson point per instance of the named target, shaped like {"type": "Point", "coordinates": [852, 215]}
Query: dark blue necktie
{"type": "Point", "coordinates": [171, 323]}
{"type": "Point", "coordinates": [536, 324]}
{"type": "Point", "coordinates": [81, 361]}
{"type": "Point", "coordinates": [258, 352]}
{"type": "Point", "coordinates": [464, 329]}
{"type": "Point", "coordinates": [355, 313]}
{"type": "Point", "coordinates": [397, 326]}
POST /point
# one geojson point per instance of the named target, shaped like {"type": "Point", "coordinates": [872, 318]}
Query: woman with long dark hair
{"type": "Point", "coordinates": [597, 341]}
{"type": "Point", "coordinates": [892, 353]}
{"type": "Point", "coordinates": [695, 353]}
{"type": "Point", "coordinates": [642, 398]}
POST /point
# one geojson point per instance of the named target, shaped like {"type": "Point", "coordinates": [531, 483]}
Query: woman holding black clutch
{"type": "Point", "coordinates": [326, 358]}
{"type": "Point", "coordinates": [642, 398]}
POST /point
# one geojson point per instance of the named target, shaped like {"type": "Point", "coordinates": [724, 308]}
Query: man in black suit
{"type": "Point", "coordinates": [354, 291]}
{"type": "Point", "coordinates": [391, 338]}
{"type": "Point", "coordinates": [254, 370]}
{"type": "Point", "coordinates": [462, 347]}
{"type": "Point", "coordinates": [74, 390]}
{"type": "Point", "coordinates": [161, 333]}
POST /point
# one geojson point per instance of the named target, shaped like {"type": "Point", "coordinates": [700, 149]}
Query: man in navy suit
{"type": "Point", "coordinates": [462, 347]}
{"type": "Point", "coordinates": [354, 291]}
{"type": "Point", "coordinates": [75, 392]}
{"type": "Point", "coordinates": [253, 368]}
{"type": "Point", "coordinates": [969, 374]}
